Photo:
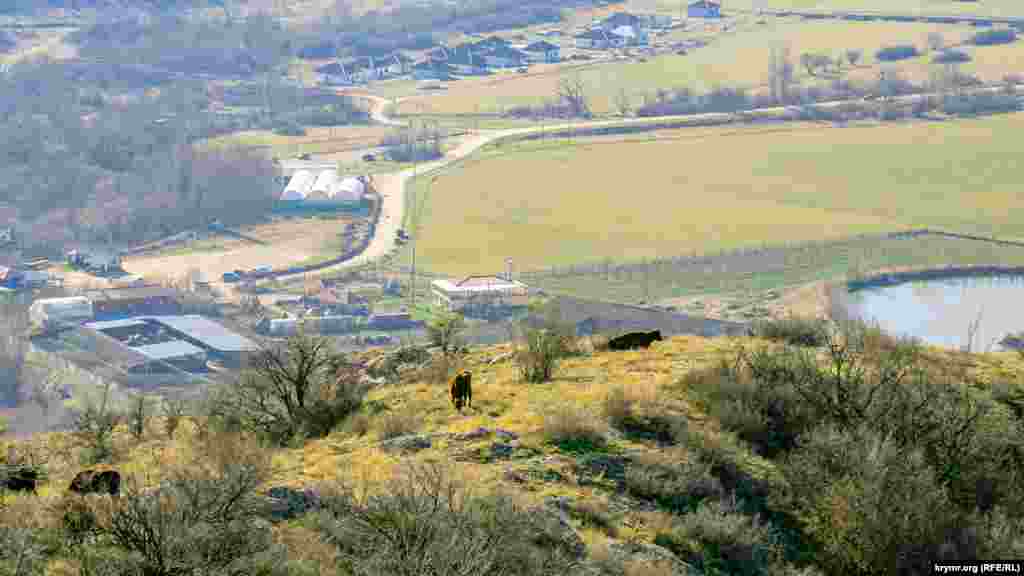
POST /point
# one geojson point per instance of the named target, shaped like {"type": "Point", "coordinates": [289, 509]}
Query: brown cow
{"type": "Point", "coordinates": [462, 390]}
{"type": "Point", "coordinates": [634, 340]}
{"type": "Point", "coordinates": [20, 480]}
{"type": "Point", "coordinates": [94, 482]}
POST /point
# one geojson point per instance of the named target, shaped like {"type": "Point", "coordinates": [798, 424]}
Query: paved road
{"type": "Point", "coordinates": [392, 186]}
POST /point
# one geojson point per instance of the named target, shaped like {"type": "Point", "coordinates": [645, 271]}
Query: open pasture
{"type": "Point", "coordinates": [318, 140]}
{"type": "Point", "coordinates": [547, 203]}
{"type": "Point", "coordinates": [737, 58]}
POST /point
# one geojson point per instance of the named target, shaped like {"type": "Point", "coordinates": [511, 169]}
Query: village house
{"type": "Point", "coordinates": [477, 290]}
{"type": "Point", "coordinates": [628, 36]}
{"type": "Point", "coordinates": [542, 51]}
{"type": "Point", "coordinates": [596, 39]}
{"type": "Point", "coordinates": [505, 57]}
{"type": "Point", "coordinates": [704, 9]}
{"type": "Point", "coordinates": [467, 59]}
{"type": "Point", "coordinates": [432, 70]}
{"type": "Point", "coordinates": [619, 19]}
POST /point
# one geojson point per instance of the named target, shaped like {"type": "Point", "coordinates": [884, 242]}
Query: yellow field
{"type": "Point", "coordinates": [545, 204]}
{"type": "Point", "coordinates": [739, 58]}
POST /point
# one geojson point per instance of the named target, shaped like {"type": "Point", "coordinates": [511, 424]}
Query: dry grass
{"type": "Point", "coordinates": [317, 140]}
{"type": "Point", "coordinates": [287, 242]}
{"type": "Point", "coordinates": [737, 58]}
{"type": "Point", "coordinates": [735, 189]}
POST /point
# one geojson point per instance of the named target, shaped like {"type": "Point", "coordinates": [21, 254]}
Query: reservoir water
{"type": "Point", "coordinates": [942, 312]}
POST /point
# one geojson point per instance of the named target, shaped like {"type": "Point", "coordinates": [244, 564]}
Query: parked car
{"type": "Point", "coordinates": [261, 271]}
{"type": "Point", "coordinates": [369, 158]}
{"type": "Point", "coordinates": [522, 70]}
{"type": "Point", "coordinates": [231, 277]}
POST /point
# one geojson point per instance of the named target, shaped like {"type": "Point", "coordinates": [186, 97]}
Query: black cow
{"type": "Point", "coordinates": [94, 482]}
{"type": "Point", "coordinates": [634, 340]}
{"type": "Point", "coordinates": [462, 390]}
{"type": "Point", "coordinates": [20, 480]}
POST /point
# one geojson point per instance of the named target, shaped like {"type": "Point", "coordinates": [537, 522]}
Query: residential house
{"type": "Point", "coordinates": [432, 70]}
{"type": "Point", "coordinates": [334, 73]}
{"type": "Point", "coordinates": [468, 59]}
{"type": "Point", "coordinates": [542, 51]}
{"type": "Point", "coordinates": [505, 57]}
{"type": "Point", "coordinates": [478, 290]}
{"type": "Point", "coordinates": [627, 36]}
{"type": "Point", "coordinates": [397, 64]}
{"type": "Point", "coordinates": [704, 9]}
{"type": "Point", "coordinates": [595, 39]}
{"type": "Point", "coordinates": [492, 43]}
{"type": "Point", "coordinates": [621, 19]}
{"type": "Point", "coordinates": [656, 21]}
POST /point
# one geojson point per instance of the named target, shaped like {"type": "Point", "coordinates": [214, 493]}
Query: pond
{"type": "Point", "coordinates": [942, 312]}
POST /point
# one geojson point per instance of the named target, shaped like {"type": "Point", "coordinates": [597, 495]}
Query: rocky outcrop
{"type": "Point", "coordinates": [408, 443]}
{"type": "Point", "coordinates": [650, 555]}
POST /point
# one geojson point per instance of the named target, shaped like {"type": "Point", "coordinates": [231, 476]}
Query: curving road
{"type": "Point", "coordinates": [392, 186]}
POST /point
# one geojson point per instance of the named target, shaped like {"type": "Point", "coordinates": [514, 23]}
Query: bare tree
{"type": "Point", "coordinates": [780, 75]}
{"type": "Point", "coordinates": [302, 387]}
{"type": "Point", "coordinates": [853, 56]}
{"type": "Point", "coordinates": [622, 103]}
{"type": "Point", "coordinates": [573, 92]}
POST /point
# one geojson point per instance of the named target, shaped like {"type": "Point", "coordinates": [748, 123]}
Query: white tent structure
{"type": "Point", "coordinates": [299, 185]}
{"type": "Point", "coordinates": [350, 189]}
{"type": "Point", "coordinates": [324, 186]}
{"type": "Point", "coordinates": [49, 312]}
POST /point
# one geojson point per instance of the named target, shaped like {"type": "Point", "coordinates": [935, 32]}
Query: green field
{"type": "Point", "coordinates": [554, 203]}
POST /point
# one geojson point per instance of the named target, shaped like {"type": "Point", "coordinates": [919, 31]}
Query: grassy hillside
{"type": "Point", "coordinates": [637, 446]}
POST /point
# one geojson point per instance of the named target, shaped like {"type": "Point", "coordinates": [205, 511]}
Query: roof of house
{"type": "Point", "coordinates": [208, 332]}
{"type": "Point", "coordinates": [493, 41]}
{"type": "Point", "coordinates": [624, 31]}
{"type": "Point", "coordinates": [168, 350]}
{"type": "Point", "coordinates": [507, 52]}
{"type": "Point", "coordinates": [109, 324]}
{"type": "Point", "coordinates": [621, 18]}
{"type": "Point", "coordinates": [541, 46]}
{"type": "Point", "coordinates": [705, 4]}
{"type": "Point", "coordinates": [478, 284]}
{"type": "Point", "coordinates": [592, 35]}
{"type": "Point", "coordinates": [130, 293]}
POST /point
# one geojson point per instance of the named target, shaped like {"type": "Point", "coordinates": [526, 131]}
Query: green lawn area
{"type": "Point", "coordinates": [552, 203]}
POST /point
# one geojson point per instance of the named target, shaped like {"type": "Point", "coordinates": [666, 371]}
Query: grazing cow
{"type": "Point", "coordinates": [20, 480]}
{"type": "Point", "coordinates": [93, 482]}
{"type": "Point", "coordinates": [634, 340]}
{"type": "Point", "coordinates": [462, 390]}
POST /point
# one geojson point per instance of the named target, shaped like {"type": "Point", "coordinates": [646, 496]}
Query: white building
{"type": "Point", "coordinates": [51, 312]}
{"type": "Point", "coordinates": [299, 186]}
{"type": "Point", "coordinates": [324, 185]}
{"type": "Point", "coordinates": [456, 295]}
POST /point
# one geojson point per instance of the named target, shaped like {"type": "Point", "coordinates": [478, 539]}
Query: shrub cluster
{"type": "Point", "coordinates": [894, 53]}
{"type": "Point", "coordinates": [993, 37]}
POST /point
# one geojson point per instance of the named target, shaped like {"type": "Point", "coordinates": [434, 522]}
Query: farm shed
{"type": "Point", "coordinates": [475, 290]}
{"type": "Point", "coordinates": [299, 185]}
{"type": "Point", "coordinates": [50, 312]}
{"type": "Point", "coordinates": [227, 346]}
{"type": "Point", "coordinates": [392, 321]}
{"type": "Point", "coordinates": [133, 301]}
{"type": "Point", "coordinates": [704, 9]}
